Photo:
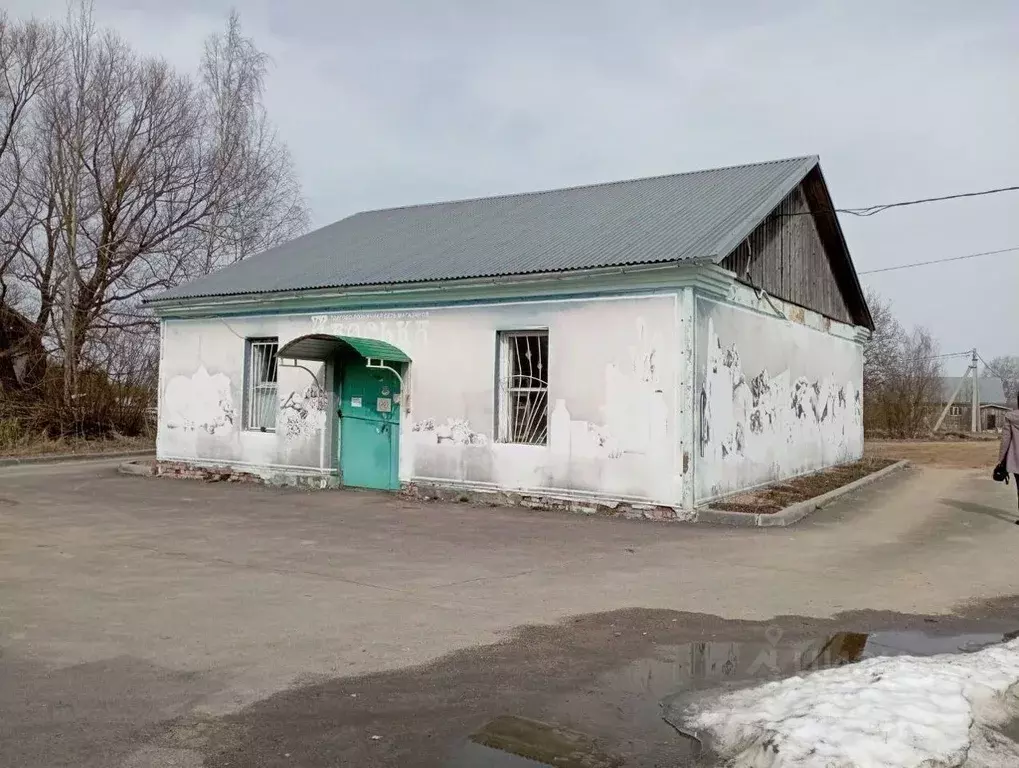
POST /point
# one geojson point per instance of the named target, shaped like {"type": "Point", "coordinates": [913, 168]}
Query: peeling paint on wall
{"type": "Point", "coordinates": [199, 402]}
{"type": "Point", "coordinates": [581, 439]}
{"type": "Point", "coordinates": [303, 414]}
{"type": "Point", "coordinates": [453, 432]}
{"type": "Point", "coordinates": [756, 426]}
{"type": "Point", "coordinates": [644, 354]}
{"type": "Point", "coordinates": [611, 417]}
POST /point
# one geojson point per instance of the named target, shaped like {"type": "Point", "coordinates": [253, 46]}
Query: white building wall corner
{"type": "Point", "coordinates": [687, 400]}
{"type": "Point", "coordinates": [779, 392]}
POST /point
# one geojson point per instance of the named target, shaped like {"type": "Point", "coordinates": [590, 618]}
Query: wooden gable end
{"type": "Point", "coordinates": [798, 256]}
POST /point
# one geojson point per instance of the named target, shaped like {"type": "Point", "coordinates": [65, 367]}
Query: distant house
{"type": "Point", "coordinates": [992, 403]}
{"type": "Point", "coordinates": [658, 342]}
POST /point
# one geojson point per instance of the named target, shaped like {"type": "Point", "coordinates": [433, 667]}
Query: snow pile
{"type": "Point", "coordinates": [887, 712]}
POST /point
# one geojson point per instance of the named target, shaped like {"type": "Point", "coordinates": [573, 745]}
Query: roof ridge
{"type": "Point", "coordinates": [593, 185]}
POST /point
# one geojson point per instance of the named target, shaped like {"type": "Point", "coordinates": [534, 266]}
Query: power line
{"type": "Point", "coordinates": [939, 261]}
{"type": "Point", "coordinates": [873, 209]}
{"type": "Point", "coordinates": [967, 353]}
{"type": "Point", "coordinates": [989, 368]}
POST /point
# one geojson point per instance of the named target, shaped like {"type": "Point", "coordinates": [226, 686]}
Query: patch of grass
{"type": "Point", "coordinates": [14, 442]}
{"type": "Point", "coordinates": [776, 497]}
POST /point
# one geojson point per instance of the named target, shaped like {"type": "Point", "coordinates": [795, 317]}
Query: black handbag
{"type": "Point", "coordinates": [1000, 473]}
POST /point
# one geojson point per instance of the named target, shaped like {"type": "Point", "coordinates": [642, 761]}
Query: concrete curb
{"type": "Point", "coordinates": [24, 461]}
{"type": "Point", "coordinates": [145, 469]}
{"type": "Point", "coordinates": [795, 512]}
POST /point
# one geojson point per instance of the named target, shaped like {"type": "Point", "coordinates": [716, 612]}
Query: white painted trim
{"type": "Point", "coordinates": [677, 400]}
{"type": "Point", "coordinates": [502, 400]}
{"type": "Point", "coordinates": [687, 393]}
{"type": "Point", "coordinates": [772, 316]}
{"type": "Point", "coordinates": [161, 377]}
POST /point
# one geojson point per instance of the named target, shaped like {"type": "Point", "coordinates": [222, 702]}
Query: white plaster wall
{"type": "Point", "coordinates": [775, 396]}
{"type": "Point", "coordinates": [612, 380]}
{"type": "Point", "coordinates": [202, 398]}
{"type": "Point", "coordinates": [614, 370]}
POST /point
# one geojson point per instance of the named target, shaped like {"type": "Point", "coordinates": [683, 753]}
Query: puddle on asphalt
{"type": "Point", "coordinates": [518, 742]}
{"type": "Point", "coordinates": [625, 707]}
{"type": "Point", "coordinates": [472, 755]}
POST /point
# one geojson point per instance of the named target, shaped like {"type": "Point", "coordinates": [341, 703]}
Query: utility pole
{"type": "Point", "coordinates": [974, 418]}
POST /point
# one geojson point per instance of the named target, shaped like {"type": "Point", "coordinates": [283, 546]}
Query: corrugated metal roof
{"type": "Point", "coordinates": [642, 221]}
{"type": "Point", "coordinates": [991, 390]}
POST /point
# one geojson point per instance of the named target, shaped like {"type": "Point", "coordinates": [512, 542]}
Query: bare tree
{"type": "Point", "coordinates": [1006, 368]}
{"type": "Point", "coordinates": [912, 393]}
{"type": "Point", "coordinates": [263, 206]}
{"type": "Point", "coordinates": [881, 350]}
{"type": "Point", "coordinates": [29, 55]}
{"type": "Point", "coordinates": [126, 177]}
{"type": "Point", "coordinates": [902, 375]}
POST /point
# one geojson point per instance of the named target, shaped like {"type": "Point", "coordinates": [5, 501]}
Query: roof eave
{"type": "Point", "coordinates": [410, 289]}
{"type": "Point", "coordinates": [845, 249]}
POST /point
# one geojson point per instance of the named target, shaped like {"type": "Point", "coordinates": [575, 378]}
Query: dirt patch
{"type": "Point", "coordinates": [956, 454]}
{"type": "Point", "coordinates": [775, 498]}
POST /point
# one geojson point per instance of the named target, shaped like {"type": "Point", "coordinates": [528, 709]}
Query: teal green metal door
{"type": "Point", "coordinates": [369, 428]}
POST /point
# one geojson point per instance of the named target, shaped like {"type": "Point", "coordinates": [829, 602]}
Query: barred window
{"type": "Point", "coordinates": [260, 388]}
{"type": "Point", "coordinates": [523, 387]}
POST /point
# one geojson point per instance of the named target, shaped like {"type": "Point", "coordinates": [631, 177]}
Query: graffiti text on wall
{"type": "Point", "coordinates": [402, 329]}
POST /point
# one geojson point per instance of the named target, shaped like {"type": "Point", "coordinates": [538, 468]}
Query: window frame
{"type": "Point", "coordinates": [955, 410]}
{"type": "Point", "coordinates": [252, 382]}
{"type": "Point", "coordinates": [506, 428]}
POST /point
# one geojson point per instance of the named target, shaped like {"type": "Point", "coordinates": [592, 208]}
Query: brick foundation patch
{"type": "Point", "coordinates": [226, 474]}
{"type": "Point", "coordinates": [186, 471]}
{"type": "Point", "coordinates": [628, 510]}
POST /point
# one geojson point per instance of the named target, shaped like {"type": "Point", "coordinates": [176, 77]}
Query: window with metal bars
{"type": "Point", "coordinates": [260, 395]}
{"type": "Point", "coordinates": [523, 387]}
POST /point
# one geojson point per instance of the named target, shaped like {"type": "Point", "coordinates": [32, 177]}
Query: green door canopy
{"type": "Point", "coordinates": [323, 346]}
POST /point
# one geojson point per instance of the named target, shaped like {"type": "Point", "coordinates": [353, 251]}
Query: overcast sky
{"type": "Point", "coordinates": [388, 104]}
